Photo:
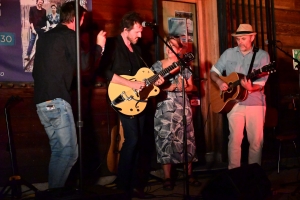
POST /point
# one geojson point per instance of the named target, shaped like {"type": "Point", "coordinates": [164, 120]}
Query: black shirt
{"type": "Point", "coordinates": [55, 64]}
{"type": "Point", "coordinates": [37, 17]}
{"type": "Point", "coordinates": [117, 59]}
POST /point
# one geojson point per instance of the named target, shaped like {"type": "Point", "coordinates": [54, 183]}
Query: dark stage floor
{"type": "Point", "coordinates": [209, 179]}
{"type": "Point", "coordinates": [213, 177]}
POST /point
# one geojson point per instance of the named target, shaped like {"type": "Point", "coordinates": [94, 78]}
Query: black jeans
{"type": "Point", "coordinates": [135, 156]}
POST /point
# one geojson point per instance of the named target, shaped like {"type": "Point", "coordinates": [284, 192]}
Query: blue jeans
{"type": "Point", "coordinates": [31, 43]}
{"type": "Point", "coordinates": [57, 117]}
{"type": "Point", "coordinates": [32, 40]}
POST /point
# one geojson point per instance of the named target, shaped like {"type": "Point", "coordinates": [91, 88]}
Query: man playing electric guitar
{"type": "Point", "coordinates": [122, 57]}
{"type": "Point", "coordinates": [249, 113]}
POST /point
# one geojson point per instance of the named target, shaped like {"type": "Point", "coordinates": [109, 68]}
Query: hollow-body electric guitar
{"type": "Point", "coordinates": [223, 101]}
{"type": "Point", "coordinates": [132, 102]}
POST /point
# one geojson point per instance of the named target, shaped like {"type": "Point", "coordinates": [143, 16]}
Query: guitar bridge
{"type": "Point", "coordinates": [121, 98]}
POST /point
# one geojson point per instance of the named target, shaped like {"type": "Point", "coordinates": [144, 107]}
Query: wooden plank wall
{"type": "Point", "coordinates": [287, 26]}
{"type": "Point", "coordinates": [287, 15]}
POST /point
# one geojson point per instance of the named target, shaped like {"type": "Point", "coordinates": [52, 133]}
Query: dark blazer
{"type": "Point", "coordinates": [115, 59]}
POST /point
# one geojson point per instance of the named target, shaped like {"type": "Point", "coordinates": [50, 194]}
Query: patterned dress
{"type": "Point", "coordinates": [53, 20]}
{"type": "Point", "coordinates": [168, 125]}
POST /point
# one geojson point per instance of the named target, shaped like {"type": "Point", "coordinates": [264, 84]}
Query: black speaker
{"type": "Point", "coordinates": [243, 183]}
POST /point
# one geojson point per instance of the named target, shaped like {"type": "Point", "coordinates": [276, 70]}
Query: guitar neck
{"type": "Point", "coordinates": [250, 76]}
{"type": "Point", "coordinates": [163, 73]}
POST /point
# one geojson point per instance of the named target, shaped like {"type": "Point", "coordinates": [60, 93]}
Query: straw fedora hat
{"type": "Point", "coordinates": [244, 29]}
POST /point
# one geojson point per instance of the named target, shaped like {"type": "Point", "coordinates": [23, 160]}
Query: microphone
{"type": "Point", "coordinates": [271, 41]}
{"type": "Point", "coordinates": [148, 24]}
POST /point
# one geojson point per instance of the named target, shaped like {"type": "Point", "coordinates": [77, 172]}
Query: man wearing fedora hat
{"type": "Point", "coordinates": [249, 113]}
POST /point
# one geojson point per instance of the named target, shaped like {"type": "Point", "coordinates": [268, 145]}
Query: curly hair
{"type": "Point", "coordinates": [129, 19]}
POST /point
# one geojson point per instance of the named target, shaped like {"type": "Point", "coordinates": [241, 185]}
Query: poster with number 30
{"type": "Point", "coordinates": [21, 23]}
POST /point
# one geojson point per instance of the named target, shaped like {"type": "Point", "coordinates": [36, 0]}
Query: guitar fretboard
{"type": "Point", "coordinates": [186, 58]}
{"type": "Point", "coordinates": [163, 73]}
{"type": "Point", "coordinates": [252, 75]}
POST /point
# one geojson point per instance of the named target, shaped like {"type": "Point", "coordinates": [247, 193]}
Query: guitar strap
{"type": "Point", "coordinates": [255, 50]}
{"type": "Point", "coordinates": [137, 53]}
{"type": "Point", "coordinates": [142, 59]}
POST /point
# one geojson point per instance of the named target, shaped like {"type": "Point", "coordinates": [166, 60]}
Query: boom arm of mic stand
{"type": "Point", "coordinates": [286, 53]}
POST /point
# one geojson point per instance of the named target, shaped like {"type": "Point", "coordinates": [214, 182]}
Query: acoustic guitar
{"type": "Point", "coordinates": [132, 102]}
{"type": "Point", "coordinates": [116, 142]}
{"type": "Point", "coordinates": [223, 101]}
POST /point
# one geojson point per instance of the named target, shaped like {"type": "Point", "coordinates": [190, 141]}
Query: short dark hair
{"type": "Point", "coordinates": [129, 19]}
{"type": "Point", "coordinates": [67, 12]}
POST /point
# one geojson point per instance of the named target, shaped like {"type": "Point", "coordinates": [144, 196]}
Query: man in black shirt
{"type": "Point", "coordinates": [54, 67]}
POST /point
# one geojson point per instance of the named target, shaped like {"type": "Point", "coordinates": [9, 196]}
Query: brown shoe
{"type": "Point", "coordinates": [27, 58]}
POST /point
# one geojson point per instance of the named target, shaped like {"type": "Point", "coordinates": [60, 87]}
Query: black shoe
{"type": "Point", "coordinates": [168, 184]}
{"type": "Point", "coordinates": [140, 194]}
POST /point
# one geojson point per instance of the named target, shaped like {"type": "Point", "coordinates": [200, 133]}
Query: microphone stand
{"type": "Point", "coordinates": [79, 121]}
{"type": "Point", "coordinates": [182, 66]}
{"type": "Point", "coordinates": [297, 66]}
{"type": "Point", "coordinates": [14, 185]}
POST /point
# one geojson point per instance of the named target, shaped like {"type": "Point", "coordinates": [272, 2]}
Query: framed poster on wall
{"type": "Point", "coordinates": [17, 38]}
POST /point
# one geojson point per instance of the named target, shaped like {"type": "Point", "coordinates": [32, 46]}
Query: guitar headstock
{"type": "Point", "coordinates": [268, 68]}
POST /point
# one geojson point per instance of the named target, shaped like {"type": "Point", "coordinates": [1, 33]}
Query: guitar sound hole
{"type": "Point", "coordinates": [131, 109]}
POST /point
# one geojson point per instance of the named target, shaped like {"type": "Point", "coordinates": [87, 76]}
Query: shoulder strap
{"type": "Point", "coordinates": [255, 50]}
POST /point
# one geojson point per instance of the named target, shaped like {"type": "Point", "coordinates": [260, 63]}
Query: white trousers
{"type": "Point", "coordinates": [251, 117]}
